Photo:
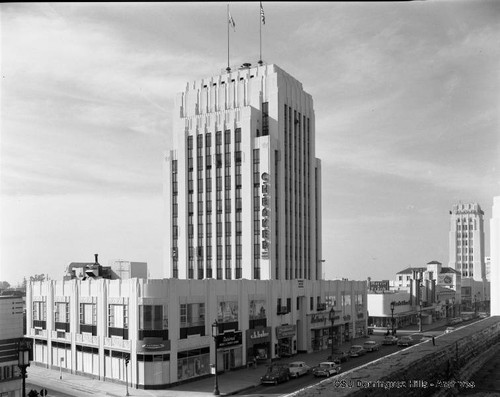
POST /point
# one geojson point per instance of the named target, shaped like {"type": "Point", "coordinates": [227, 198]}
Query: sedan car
{"type": "Point", "coordinates": [276, 374]}
{"type": "Point", "coordinates": [449, 329]}
{"type": "Point", "coordinates": [390, 340]}
{"type": "Point", "coordinates": [339, 357]}
{"type": "Point", "coordinates": [356, 351]}
{"type": "Point", "coordinates": [371, 346]}
{"type": "Point", "coordinates": [405, 341]}
{"type": "Point", "coordinates": [298, 368]}
{"type": "Point", "coordinates": [326, 368]}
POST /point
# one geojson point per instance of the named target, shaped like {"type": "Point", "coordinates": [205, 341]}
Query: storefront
{"type": "Point", "coordinates": [153, 362]}
{"type": "Point", "coordinates": [229, 350]}
{"type": "Point", "coordinates": [320, 327]}
{"type": "Point", "coordinates": [193, 363]}
{"type": "Point", "coordinates": [286, 345]}
{"type": "Point", "coordinates": [347, 329]}
{"type": "Point", "coordinates": [258, 344]}
{"type": "Point", "coordinates": [360, 325]}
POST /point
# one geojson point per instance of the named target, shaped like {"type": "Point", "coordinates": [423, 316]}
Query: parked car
{"type": "Point", "coordinates": [298, 368]}
{"type": "Point", "coordinates": [449, 329]}
{"type": "Point", "coordinates": [356, 351]}
{"type": "Point", "coordinates": [339, 357]}
{"type": "Point", "coordinates": [371, 346]}
{"type": "Point", "coordinates": [326, 368]}
{"type": "Point", "coordinates": [405, 341]}
{"type": "Point", "coordinates": [390, 340]}
{"type": "Point", "coordinates": [276, 374]}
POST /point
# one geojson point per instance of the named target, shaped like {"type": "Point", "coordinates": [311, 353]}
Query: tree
{"type": "Point", "coordinates": [4, 285]}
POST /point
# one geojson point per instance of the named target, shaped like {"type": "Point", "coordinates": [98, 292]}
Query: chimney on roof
{"type": "Point", "coordinates": [96, 261]}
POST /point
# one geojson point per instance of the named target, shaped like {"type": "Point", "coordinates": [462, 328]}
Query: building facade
{"type": "Point", "coordinates": [11, 331]}
{"type": "Point", "coordinates": [467, 241]}
{"type": "Point", "coordinates": [164, 326]}
{"type": "Point", "coordinates": [242, 184]}
{"type": "Point", "coordinates": [495, 256]}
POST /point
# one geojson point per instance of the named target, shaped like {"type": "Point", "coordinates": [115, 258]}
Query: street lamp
{"type": "Point", "coordinates": [392, 316]}
{"type": "Point", "coordinates": [23, 351]}
{"type": "Point", "coordinates": [420, 318]}
{"type": "Point", "coordinates": [332, 319]}
{"type": "Point", "coordinates": [215, 334]}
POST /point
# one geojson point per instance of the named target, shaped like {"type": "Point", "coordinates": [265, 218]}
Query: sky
{"type": "Point", "coordinates": [406, 99]}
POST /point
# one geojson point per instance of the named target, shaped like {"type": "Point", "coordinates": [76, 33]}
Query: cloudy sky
{"type": "Point", "coordinates": [407, 122]}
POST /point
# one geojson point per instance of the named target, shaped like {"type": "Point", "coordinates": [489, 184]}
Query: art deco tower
{"type": "Point", "coordinates": [242, 183]}
{"type": "Point", "coordinates": [467, 241]}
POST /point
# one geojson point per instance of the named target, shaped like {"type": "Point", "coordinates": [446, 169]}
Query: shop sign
{"type": "Point", "coordinates": [257, 334]}
{"type": "Point", "coordinates": [285, 331]}
{"type": "Point", "coordinates": [401, 303]}
{"type": "Point", "coordinates": [323, 318]}
{"type": "Point", "coordinates": [379, 285]}
{"type": "Point", "coordinates": [153, 345]}
{"type": "Point", "coordinates": [229, 339]}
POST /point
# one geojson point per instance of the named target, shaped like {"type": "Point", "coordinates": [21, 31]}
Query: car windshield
{"type": "Point", "coordinates": [324, 365]}
{"type": "Point", "coordinates": [294, 365]}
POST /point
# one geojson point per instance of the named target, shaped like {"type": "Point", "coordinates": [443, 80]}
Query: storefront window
{"type": "Point", "coordinates": [193, 363]}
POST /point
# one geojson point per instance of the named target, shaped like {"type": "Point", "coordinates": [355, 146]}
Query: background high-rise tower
{"type": "Point", "coordinates": [243, 186]}
{"type": "Point", "coordinates": [467, 240]}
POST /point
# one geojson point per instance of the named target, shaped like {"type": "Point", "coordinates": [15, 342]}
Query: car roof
{"type": "Point", "coordinates": [297, 362]}
{"type": "Point", "coordinates": [327, 362]}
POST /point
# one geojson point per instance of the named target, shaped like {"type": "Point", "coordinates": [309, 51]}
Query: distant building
{"type": "Point", "coordinates": [467, 241]}
{"type": "Point", "coordinates": [495, 256]}
{"type": "Point", "coordinates": [467, 255]}
{"type": "Point", "coordinates": [487, 268]}
{"type": "Point", "coordinates": [11, 331]}
{"type": "Point", "coordinates": [119, 269]}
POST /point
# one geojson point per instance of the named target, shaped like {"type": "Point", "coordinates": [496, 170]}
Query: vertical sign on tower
{"type": "Point", "coordinates": [265, 215]}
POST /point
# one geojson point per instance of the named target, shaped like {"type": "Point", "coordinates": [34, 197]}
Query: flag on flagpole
{"type": "Point", "coordinates": [262, 16]}
{"type": "Point", "coordinates": [231, 22]}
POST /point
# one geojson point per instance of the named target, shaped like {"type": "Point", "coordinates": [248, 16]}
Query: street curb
{"type": "Point", "coordinates": [240, 390]}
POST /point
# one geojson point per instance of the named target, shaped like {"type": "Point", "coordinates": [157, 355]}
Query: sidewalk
{"type": "Point", "coordinates": [229, 382]}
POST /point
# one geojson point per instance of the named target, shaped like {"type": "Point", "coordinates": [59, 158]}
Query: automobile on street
{"type": "Point", "coordinates": [298, 368]}
{"type": "Point", "coordinates": [276, 374]}
{"type": "Point", "coordinates": [449, 329]}
{"type": "Point", "coordinates": [371, 346]}
{"type": "Point", "coordinates": [356, 351]}
{"type": "Point", "coordinates": [339, 357]}
{"type": "Point", "coordinates": [326, 368]}
{"type": "Point", "coordinates": [405, 341]}
{"type": "Point", "coordinates": [390, 340]}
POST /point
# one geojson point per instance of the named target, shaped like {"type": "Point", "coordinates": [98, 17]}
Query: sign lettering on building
{"type": "Point", "coordinates": [229, 339]}
{"type": "Point", "coordinates": [265, 215]}
{"type": "Point", "coordinates": [379, 285]}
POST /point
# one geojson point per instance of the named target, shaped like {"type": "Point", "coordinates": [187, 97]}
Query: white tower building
{"type": "Point", "coordinates": [467, 241]}
{"type": "Point", "coordinates": [495, 256]}
{"type": "Point", "coordinates": [242, 183]}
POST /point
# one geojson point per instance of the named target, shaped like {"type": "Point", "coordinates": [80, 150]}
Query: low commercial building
{"type": "Point", "coordinates": [11, 331]}
{"type": "Point", "coordinates": [164, 326]}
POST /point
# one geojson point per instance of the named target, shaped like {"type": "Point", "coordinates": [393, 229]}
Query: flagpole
{"type": "Point", "coordinates": [260, 37]}
{"type": "Point", "coordinates": [228, 69]}
{"type": "Point", "coordinates": [261, 22]}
